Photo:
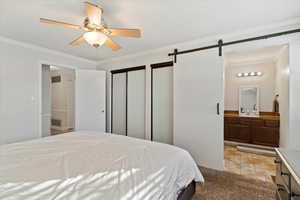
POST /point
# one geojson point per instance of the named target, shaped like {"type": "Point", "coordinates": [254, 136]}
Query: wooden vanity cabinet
{"type": "Point", "coordinates": [252, 130]}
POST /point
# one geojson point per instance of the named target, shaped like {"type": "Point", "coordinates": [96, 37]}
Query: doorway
{"type": "Point", "coordinates": [256, 109]}
{"type": "Point", "coordinates": [58, 100]}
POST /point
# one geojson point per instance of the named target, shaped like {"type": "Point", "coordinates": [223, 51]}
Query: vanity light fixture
{"type": "Point", "coordinates": [259, 73]}
{"type": "Point", "coordinates": [247, 74]}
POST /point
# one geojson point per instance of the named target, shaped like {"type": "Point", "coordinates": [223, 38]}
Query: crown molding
{"type": "Point", "coordinates": [239, 34]}
{"type": "Point", "coordinates": [43, 49]}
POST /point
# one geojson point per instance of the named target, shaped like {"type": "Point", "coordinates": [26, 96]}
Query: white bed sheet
{"type": "Point", "coordinates": [92, 165]}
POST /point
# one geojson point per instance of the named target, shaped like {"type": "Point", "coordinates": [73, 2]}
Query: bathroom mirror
{"type": "Point", "coordinates": [249, 101]}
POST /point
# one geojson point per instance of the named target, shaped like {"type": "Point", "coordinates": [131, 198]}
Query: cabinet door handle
{"type": "Point", "coordinates": [295, 195]}
{"type": "Point", "coordinates": [285, 174]}
{"type": "Point", "coordinates": [280, 187]}
{"type": "Point", "coordinates": [218, 108]}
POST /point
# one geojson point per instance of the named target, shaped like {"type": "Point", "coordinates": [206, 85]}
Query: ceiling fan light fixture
{"type": "Point", "coordinates": [95, 38]}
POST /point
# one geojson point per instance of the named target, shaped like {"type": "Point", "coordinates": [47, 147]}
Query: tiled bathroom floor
{"type": "Point", "coordinates": [57, 132]}
{"type": "Point", "coordinates": [249, 164]}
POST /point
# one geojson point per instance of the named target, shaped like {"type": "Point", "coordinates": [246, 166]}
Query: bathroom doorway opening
{"type": "Point", "coordinates": [58, 100]}
{"type": "Point", "coordinates": [256, 102]}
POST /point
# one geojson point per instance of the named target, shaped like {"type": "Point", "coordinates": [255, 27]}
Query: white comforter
{"type": "Point", "coordinates": [90, 165]}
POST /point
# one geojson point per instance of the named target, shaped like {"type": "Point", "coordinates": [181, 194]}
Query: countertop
{"type": "Point", "coordinates": [261, 116]}
{"type": "Point", "coordinates": [292, 160]}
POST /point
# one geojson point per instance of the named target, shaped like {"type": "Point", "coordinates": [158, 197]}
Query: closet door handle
{"type": "Point", "coordinates": [218, 108]}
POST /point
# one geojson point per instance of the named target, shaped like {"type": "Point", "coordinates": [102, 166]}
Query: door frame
{"type": "Point", "coordinates": [256, 45]}
{"type": "Point", "coordinates": [40, 94]}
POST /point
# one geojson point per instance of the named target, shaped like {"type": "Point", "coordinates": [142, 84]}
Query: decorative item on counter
{"type": "Point", "coordinates": [276, 104]}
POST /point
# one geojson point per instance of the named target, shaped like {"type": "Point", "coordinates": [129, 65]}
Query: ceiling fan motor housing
{"type": "Point", "coordinates": [93, 27]}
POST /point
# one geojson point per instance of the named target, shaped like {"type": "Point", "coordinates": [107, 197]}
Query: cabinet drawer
{"type": "Point", "coordinates": [258, 123]}
{"type": "Point", "coordinates": [245, 122]}
{"type": "Point", "coordinates": [272, 123]}
{"type": "Point", "coordinates": [232, 120]}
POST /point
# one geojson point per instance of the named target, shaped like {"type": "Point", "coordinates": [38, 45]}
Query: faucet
{"type": "Point", "coordinates": [242, 110]}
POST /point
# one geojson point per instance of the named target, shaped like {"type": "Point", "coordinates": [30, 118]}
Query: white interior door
{"type": "Point", "coordinates": [90, 100]}
{"type": "Point", "coordinates": [198, 88]}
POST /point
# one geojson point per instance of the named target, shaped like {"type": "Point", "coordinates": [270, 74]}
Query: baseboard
{"type": "Point", "coordinates": [251, 148]}
{"type": "Point", "coordinates": [235, 144]}
{"type": "Point", "coordinates": [257, 151]}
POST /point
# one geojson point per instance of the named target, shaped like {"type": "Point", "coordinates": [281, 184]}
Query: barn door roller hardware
{"type": "Point", "coordinates": [221, 43]}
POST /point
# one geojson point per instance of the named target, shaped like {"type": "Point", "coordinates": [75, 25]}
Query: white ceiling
{"type": "Point", "coordinates": [163, 22]}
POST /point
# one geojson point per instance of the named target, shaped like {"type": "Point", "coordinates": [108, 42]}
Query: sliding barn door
{"type": "Point", "coordinates": [198, 106]}
{"type": "Point", "coordinates": [90, 100]}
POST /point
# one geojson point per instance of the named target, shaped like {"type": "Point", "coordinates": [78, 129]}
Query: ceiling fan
{"type": "Point", "coordinates": [96, 29]}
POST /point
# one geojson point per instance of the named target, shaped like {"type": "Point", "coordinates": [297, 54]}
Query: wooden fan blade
{"type": "Point", "coordinates": [126, 32]}
{"type": "Point", "coordinates": [78, 41]}
{"type": "Point", "coordinates": [112, 44]}
{"type": "Point", "coordinates": [94, 13]}
{"type": "Point", "coordinates": [49, 21]}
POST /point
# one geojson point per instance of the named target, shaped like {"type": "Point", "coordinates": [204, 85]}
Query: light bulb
{"type": "Point", "coordinates": [259, 73]}
{"type": "Point", "coordinates": [95, 38]}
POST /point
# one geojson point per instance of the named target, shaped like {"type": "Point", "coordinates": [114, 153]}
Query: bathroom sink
{"type": "Point", "coordinates": [250, 115]}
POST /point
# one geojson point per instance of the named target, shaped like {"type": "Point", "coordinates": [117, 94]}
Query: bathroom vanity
{"type": "Point", "coordinates": [262, 129]}
{"type": "Point", "coordinates": [248, 124]}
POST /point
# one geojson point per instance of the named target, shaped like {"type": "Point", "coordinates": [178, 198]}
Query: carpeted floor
{"type": "Point", "coordinates": [228, 186]}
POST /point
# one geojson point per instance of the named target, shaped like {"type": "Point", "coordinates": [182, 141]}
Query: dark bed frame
{"type": "Point", "coordinates": [188, 192]}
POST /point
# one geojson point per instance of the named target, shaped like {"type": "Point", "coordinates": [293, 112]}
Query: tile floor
{"type": "Point", "coordinates": [249, 164]}
{"type": "Point", "coordinates": [57, 132]}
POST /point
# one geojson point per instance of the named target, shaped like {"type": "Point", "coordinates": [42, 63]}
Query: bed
{"type": "Point", "coordinates": [93, 165]}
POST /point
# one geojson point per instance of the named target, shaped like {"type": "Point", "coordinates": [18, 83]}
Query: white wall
{"type": "Point", "coordinates": [282, 88]}
{"type": "Point", "coordinates": [265, 83]}
{"type": "Point", "coordinates": [63, 98]}
{"type": "Point", "coordinates": [294, 101]}
{"type": "Point", "coordinates": [20, 87]}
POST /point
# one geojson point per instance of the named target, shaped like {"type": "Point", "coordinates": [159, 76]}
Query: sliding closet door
{"type": "Point", "coordinates": [136, 104]}
{"type": "Point", "coordinates": [162, 104]}
{"type": "Point", "coordinates": [198, 93]}
{"type": "Point", "coordinates": [128, 102]}
{"type": "Point", "coordinates": [119, 82]}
